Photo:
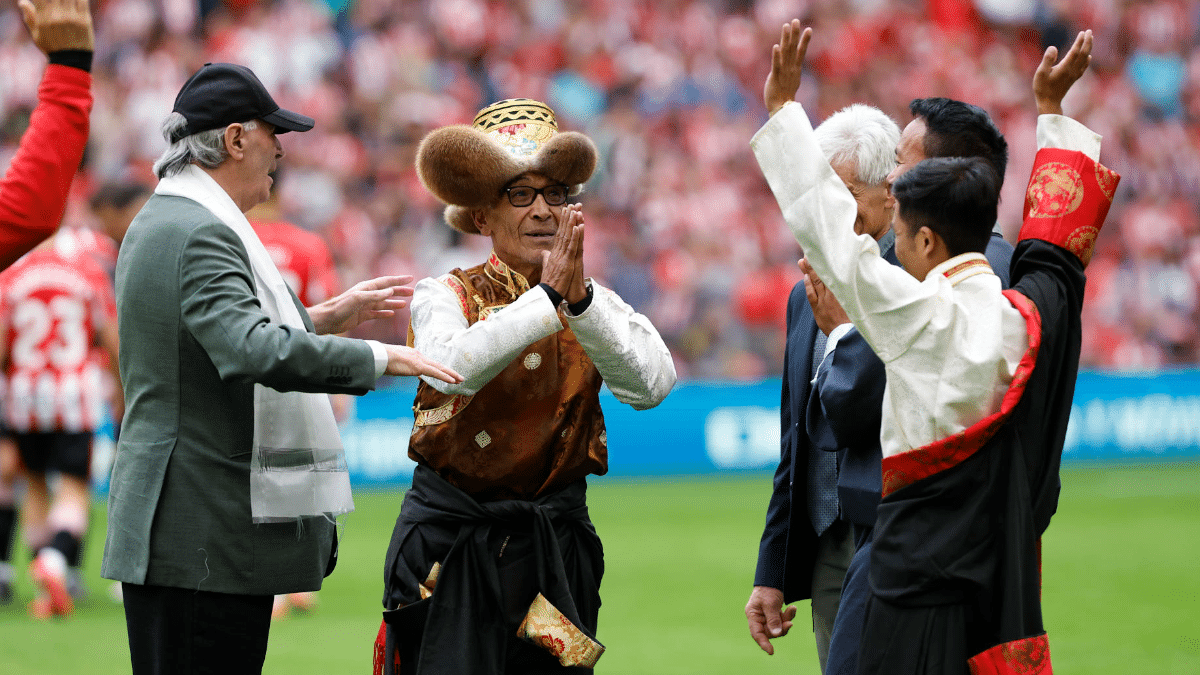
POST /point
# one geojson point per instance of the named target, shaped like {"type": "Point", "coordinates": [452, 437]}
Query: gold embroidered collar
{"type": "Point", "coordinates": [501, 273]}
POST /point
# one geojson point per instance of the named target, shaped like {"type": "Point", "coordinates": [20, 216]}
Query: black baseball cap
{"type": "Point", "coordinates": [220, 94]}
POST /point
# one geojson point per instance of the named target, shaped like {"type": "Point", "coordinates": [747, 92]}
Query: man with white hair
{"type": "Point", "coordinates": [229, 470]}
{"type": "Point", "coordinates": [808, 540]}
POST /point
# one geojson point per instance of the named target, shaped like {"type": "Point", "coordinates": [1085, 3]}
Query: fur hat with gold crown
{"type": "Point", "coordinates": [467, 167]}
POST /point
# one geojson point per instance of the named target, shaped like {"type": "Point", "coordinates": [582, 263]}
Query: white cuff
{"type": "Point", "coordinates": [835, 335]}
{"type": "Point", "coordinates": [1059, 131]}
{"type": "Point", "coordinates": [381, 357]}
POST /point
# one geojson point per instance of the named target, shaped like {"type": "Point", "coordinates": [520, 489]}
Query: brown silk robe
{"type": "Point", "coordinates": [535, 428]}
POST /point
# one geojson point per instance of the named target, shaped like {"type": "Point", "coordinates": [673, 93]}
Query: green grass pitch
{"type": "Point", "coordinates": [1121, 587]}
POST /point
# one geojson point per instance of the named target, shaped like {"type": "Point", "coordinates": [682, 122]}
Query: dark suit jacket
{"type": "Point", "coordinates": [841, 414]}
{"type": "Point", "coordinates": [788, 546]}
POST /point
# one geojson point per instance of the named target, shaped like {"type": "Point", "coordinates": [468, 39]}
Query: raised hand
{"type": "Point", "coordinates": [827, 311]}
{"type": "Point", "coordinates": [1052, 82]}
{"type": "Point", "coordinates": [787, 64]}
{"type": "Point", "coordinates": [376, 298]}
{"type": "Point", "coordinates": [560, 262]}
{"type": "Point", "coordinates": [408, 361]}
{"type": "Point", "coordinates": [56, 25]}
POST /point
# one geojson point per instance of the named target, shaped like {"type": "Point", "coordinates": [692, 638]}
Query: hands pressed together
{"type": "Point", "coordinates": [562, 265]}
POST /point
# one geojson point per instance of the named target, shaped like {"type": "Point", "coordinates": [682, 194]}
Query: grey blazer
{"type": "Point", "coordinates": [194, 340]}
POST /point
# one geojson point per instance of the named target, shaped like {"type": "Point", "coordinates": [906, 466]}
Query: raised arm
{"type": "Point", "coordinates": [889, 306]}
{"type": "Point", "coordinates": [1069, 191]}
{"type": "Point", "coordinates": [33, 192]}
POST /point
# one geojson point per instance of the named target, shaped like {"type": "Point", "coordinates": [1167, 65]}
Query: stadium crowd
{"type": "Point", "coordinates": [684, 227]}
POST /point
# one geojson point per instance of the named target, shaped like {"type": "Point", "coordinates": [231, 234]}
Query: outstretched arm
{"type": "Point", "coordinates": [376, 298]}
{"type": "Point", "coordinates": [889, 306]}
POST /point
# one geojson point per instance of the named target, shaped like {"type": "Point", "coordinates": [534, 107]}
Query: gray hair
{"type": "Point", "coordinates": [863, 138]}
{"type": "Point", "coordinates": [206, 148]}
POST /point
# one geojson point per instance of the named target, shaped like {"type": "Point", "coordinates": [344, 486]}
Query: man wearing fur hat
{"type": "Point", "coordinates": [493, 540]}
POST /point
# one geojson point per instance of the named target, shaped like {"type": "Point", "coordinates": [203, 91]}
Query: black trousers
{"type": "Point", "coordinates": [177, 631]}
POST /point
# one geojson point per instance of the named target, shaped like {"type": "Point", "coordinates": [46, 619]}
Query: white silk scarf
{"type": "Point", "coordinates": [298, 464]}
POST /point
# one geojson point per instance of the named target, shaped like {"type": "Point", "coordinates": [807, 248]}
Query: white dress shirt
{"type": "Point", "coordinates": [950, 344]}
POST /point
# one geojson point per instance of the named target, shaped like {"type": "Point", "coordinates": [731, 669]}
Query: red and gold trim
{"type": "Point", "coordinates": [1067, 201]}
{"type": "Point", "coordinates": [549, 629]}
{"type": "Point", "coordinates": [968, 268]}
{"type": "Point", "coordinates": [442, 413]}
{"type": "Point", "coordinates": [500, 272]}
{"type": "Point", "coordinates": [1027, 656]}
{"type": "Point", "coordinates": [456, 285]}
{"type": "Point", "coordinates": [909, 467]}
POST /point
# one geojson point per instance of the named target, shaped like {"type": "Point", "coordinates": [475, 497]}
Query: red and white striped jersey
{"type": "Point", "coordinates": [74, 242]}
{"type": "Point", "coordinates": [303, 259]}
{"type": "Point", "coordinates": [52, 307]}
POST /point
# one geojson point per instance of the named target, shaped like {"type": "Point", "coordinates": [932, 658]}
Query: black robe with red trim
{"type": "Point", "coordinates": [957, 540]}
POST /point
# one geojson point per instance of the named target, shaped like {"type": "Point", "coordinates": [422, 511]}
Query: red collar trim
{"type": "Point", "coordinates": [909, 467]}
{"type": "Point", "coordinates": [967, 268]}
{"type": "Point", "coordinates": [513, 280]}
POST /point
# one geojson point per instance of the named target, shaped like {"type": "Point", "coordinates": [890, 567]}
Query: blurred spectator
{"type": "Point", "coordinates": [663, 88]}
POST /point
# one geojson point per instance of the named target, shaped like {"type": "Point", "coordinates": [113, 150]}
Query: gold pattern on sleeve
{"type": "Point", "coordinates": [1082, 242]}
{"type": "Point", "coordinates": [483, 439]}
{"type": "Point", "coordinates": [1055, 190]}
{"type": "Point", "coordinates": [1107, 179]}
{"type": "Point", "coordinates": [546, 627]}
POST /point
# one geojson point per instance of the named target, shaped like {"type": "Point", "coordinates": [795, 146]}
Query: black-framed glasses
{"type": "Point", "coordinates": [523, 195]}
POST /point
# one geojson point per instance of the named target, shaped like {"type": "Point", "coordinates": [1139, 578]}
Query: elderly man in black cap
{"type": "Point", "coordinates": [229, 471]}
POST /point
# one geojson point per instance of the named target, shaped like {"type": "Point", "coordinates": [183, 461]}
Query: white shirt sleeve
{"type": "Point", "coordinates": [835, 335]}
{"type": "Point", "coordinates": [480, 351]}
{"type": "Point", "coordinates": [381, 357]}
{"type": "Point", "coordinates": [1058, 131]}
{"type": "Point", "coordinates": [626, 348]}
{"type": "Point", "coordinates": [888, 305]}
